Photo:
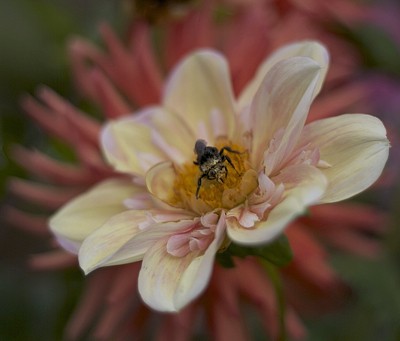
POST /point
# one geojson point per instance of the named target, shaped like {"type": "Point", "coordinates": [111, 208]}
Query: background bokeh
{"type": "Point", "coordinates": [33, 38]}
{"type": "Point", "coordinates": [36, 305]}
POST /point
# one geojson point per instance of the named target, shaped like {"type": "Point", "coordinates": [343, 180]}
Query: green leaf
{"type": "Point", "coordinates": [375, 44]}
{"type": "Point", "coordinates": [225, 260]}
{"type": "Point", "coordinates": [278, 252]}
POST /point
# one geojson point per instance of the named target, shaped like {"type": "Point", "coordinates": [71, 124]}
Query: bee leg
{"type": "Point", "coordinates": [227, 158]}
{"type": "Point", "coordinates": [221, 179]}
{"type": "Point", "coordinates": [229, 149]}
{"type": "Point", "coordinates": [199, 185]}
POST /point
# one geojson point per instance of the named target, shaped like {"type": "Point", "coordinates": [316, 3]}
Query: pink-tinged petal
{"type": "Point", "coordinates": [113, 104]}
{"type": "Point", "coordinates": [84, 124]}
{"type": "Point", "coordinates": [136, 143]}
{"type": "Point", "coordinates": [80, 52]}
{"type": "Point", "coordinates": [338, 100]}
{"type": "Point", "coordinates": [149, 70]}
{"type": "Point", "coordinates": [188, 33]}
{"type": "Point", "coordinates": [29, 223]}
{"type": "Point", "coordinates": [226, 323]}
{"type": "Point", "coordinates": [199, 91]}
{"type": "Point", "coordinates": [52, 170]}
{"type": "Point", "coordinates": [45, 196]}
{"type": "Point", "coordinates": [91, 303]}
{"type": "Point", "coordinates": [50, 121]}
{"type": "Point", "coordinates": [77, 219]}
{"type": "Point", "coordinates": [168, 283]}
{"type": "Point", "coordinates": [279, 109]}
{"type": "Point", "coordinates": [356, 148]}
{"type": "Point", "coordinates": [178, 327]}
{"type": "Point", "coordinates": [265, 196]}
{"type": "Point", "coordinates": [133, 72]}
{"type": "Point", "coordinates": [105, 309]}
{"type": "Point", "coordinates": [245, 55]}
{"type": "Point", "coordinates": [52, 260]}
{"type": "Point", "coordinates": [305, 186]}
{"type": "Point", "coordinates": [310, 259]}
{"type": "Point", "coordinates": [125, 238]}
{"type": "Point", "coordinates": [68, 244]}
{"type": "Point", "coordinates": [310, 49]}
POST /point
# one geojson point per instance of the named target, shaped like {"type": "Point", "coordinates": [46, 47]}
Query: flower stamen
{"type": "Point", "coordinates": [212, 192]}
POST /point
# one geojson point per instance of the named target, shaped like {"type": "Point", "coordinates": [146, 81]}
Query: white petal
{"type": "Point", "coordinates": [168, 283]}
{"type": "Point", "coordinates": [199, 91]}
{"type": "Point", "coordinates": [135, 143]}
{"type": "Point", "coordinates": [160, 181]}
{"type": "Point", "coordinates": [173, 136]}
{"type": "Point", "coordinates": [127, 143]}
{"type": "Point", "coordinates": [307, 185]}
{"type": "Point", "coordinates": [78, 218]}
{"type": "Point", "coordinates": [356, 148]}
{"type": "Point", "coordinates": [311, 49]}
{"type": "Point", "coordinates": [280, 108]}
{"type": "Point", "coordinates": [122, 240]}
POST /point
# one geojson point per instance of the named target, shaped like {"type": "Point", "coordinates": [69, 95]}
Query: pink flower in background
{"type": "Point", "coordinates": [127, 78]}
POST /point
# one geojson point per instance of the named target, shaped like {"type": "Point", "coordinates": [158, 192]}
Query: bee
{"type": "Point", "coordinates": [211, 162]}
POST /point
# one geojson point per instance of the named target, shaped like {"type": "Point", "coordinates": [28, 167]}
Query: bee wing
{"type": "Point", "coordinates": [200, 146]}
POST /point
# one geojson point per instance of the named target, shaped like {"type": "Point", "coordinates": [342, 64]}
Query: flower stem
{"type": "Point", "coordinates": [275, 277]}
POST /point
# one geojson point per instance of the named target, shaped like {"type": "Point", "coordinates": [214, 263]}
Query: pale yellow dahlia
{"type": "Point", "coordinates": [174, 214]}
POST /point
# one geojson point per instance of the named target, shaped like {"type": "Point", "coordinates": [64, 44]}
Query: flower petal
{"type": "Point", "coordinates": [168, 283]}
{"type": "Point", "coordinates": [311, 49]}
{"type": "Point", "coordinates": [160, 180]}
{"type": "Point", "coordinates": [280, 107]}
{"type": "Point", "coordinates": [77, 219]}
{"type": "Point", "coordinates": [127, 143]}
{"type": "Point", "coordinates": [125, 237]}
{"type": "Point", "coordinates": [199, 91]}
{"type": "Point", "coordinates": [135, 143]}
{"type": "Point", "coordinates": [306, 186]}
{"type": "Point", "coordinates": [356, 148]}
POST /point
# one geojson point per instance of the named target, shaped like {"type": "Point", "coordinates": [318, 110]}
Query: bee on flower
{"type": "Point", "coordinates": [211, 162]}
{"type": "Point", "coordinates": [264, 167]}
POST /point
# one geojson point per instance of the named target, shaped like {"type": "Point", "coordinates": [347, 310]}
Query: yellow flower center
{"type": "Point", "coordinates": [224, 184]}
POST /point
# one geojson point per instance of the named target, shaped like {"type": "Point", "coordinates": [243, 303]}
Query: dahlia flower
{"type": "Point", "coordinates": [266, 167]}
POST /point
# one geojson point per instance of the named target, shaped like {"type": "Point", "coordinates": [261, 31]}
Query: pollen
{"type": "Point", "coordinates": [239, 181]}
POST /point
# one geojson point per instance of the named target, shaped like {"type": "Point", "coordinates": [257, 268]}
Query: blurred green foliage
{"type": "Point", "coordinates": [277, 253]}
{"type": "Point", "coordinates": [33, 37]}
{"type": "Point", "coordinates": [373, 311]}
{"type": "Point", "coordinates": [33, 40]}
{"type": "Point", "coordinates": [376, 47]}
